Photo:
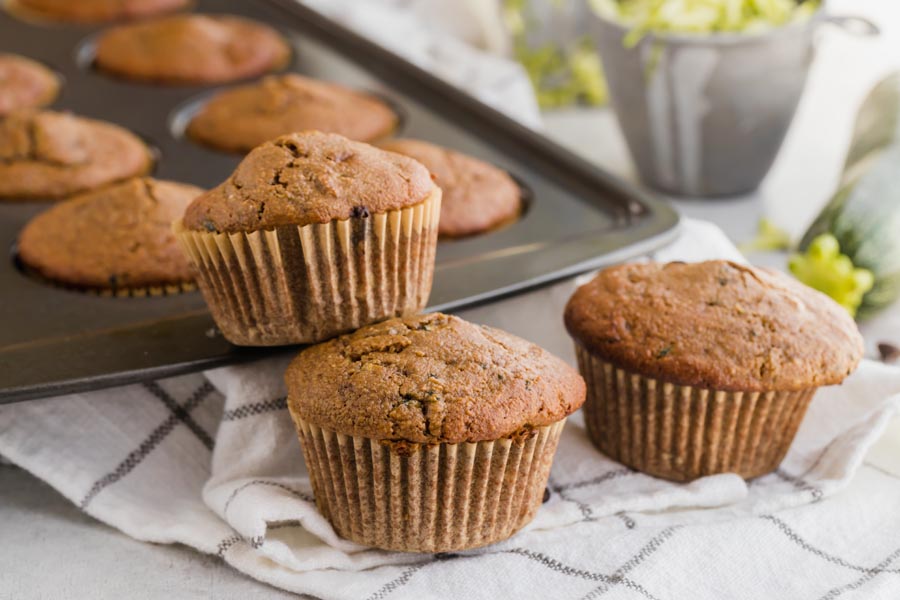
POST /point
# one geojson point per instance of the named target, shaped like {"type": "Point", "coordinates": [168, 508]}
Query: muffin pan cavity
{"type": "Point", "coordinates": [53, 341]}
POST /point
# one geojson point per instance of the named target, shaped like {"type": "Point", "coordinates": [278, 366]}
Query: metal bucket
{"type": "Point", "coordinates": [705, 115]}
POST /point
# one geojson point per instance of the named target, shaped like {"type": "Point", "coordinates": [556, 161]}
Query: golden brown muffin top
{"type": "Point", "coordinates": [99, 11]}
{"type": "Point", "coordinates": [45, 154]}
{"type": "Point", "coordinates": [118, 237]}
{"type": "Point", "coordinates": [242, 118]}
{"type": "Point", "coordinates": [25, 83]}
{"type": "Point", "coordinates": [476, 196]}
{"type": "Point", "coordinates": [309, 177]}
{"type": "Point", "coordinates": [186, 49]}
{"type": "Point", "coordinates": [715, 325]}
{"type": "Point", "coordinates": [431, 379]}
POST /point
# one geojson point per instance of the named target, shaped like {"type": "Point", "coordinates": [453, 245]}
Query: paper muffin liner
{"type": "Point", "coordinates": [680, 432]}
{"type": "Point", "coordinates": [304, 284]}
{"type": "Point", "coordinates": [428, 498]}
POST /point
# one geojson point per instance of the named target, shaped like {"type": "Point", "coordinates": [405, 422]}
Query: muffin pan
{"type": "Point", "coordinates": [55, 341]}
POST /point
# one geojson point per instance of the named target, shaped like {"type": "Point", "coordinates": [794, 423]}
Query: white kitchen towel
{"type": "Point", "coordinates": [212, 461]}
{"type": "Point", "coordinates": [443, 37]}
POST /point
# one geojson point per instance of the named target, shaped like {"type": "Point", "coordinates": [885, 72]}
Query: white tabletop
{"type": "Point", "coordinates": [48, 549]}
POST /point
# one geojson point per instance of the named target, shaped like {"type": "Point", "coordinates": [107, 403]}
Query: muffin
{"type": "Point", "coordinates": [99, 11]}
{"type": "Point", "coordinates": [704, 368]}
{"type": "Point", "coordinates": [242, 118]}
{"type": "Point", "coordinates": [47, 155]}
{"type": "Point", "coordinates": [313, 235]}
{"type": "Point", "coordinates": [428, 433]}
{"type": "Point", "coordinates": [191, 49]}
{"type": "Point", "coordinates": [25, 83]}
{"type": "Point", "coordinates": [477, 196]}
{"type": "Point", "coordinates": [117, 240]}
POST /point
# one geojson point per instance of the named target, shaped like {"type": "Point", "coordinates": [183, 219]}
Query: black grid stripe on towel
{"type": "Point", "coordinates": [182, 414]}
{"type": "Point", "coordinates": [136, 456]}
{"type": "Point", "coordinates": [257, 408]}
{"type": "Point", "coordinates": [296, 493]}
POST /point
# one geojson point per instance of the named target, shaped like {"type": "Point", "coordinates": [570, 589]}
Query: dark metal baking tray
{"type": "Point", "coordinates": [55, 341]}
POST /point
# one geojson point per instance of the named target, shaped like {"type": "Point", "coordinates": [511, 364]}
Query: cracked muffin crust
{"type": "Point", "coordinates": [704, 368]}
{"type": "Point", "coordinates": [477, 196]}
{"type": "Point", "coordinates": [431, 379]}
{"type": "Point", "coordinates": [309, 177]}
{"type": "Point", "coordinates": [47, 155]}
{"type": "Point", "coordinates": [119, 237]}
{"type": "Point", "coordinates": [25, 83]}
{"type": "Point", "coordinates": [242, 118]}
{"type": "Point", "coordinates": [191, 49]}
{"type": "Point", "coordinates": [99, 11]}
{"type": "Point", "coordinates": [428, 433]}
{"type": "Point", "coordinates": [313, 236]}
{"type": "Point", "coordinates": [716, 325]}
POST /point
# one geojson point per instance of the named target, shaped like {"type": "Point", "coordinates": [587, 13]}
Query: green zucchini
{"type": "Point", "coordinates": [864, 214]}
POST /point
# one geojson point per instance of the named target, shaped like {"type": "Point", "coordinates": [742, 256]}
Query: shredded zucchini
{"type": "Point", "coordinates": [560, 74]}
{"type": "Point", "coordinates": [702, 16]}
{"type": "Point", "coordinates": [769, 238]}
{"type": "Point", "coordinates": [824, 268]}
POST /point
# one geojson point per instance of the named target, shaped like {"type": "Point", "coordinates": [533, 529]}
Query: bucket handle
{"type": "Point", "coordinates": [854, 25]}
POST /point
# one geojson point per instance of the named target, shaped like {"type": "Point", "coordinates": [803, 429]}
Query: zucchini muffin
{"type": "Point", "coordinates": [704, 368]}
{"type": "Point", "coordinates": [242, 118]}
{"type": "Point", "coordinates": [46, 155]}
{"type": "Point", "coordinates": [313, 235]}
{"type": "Point", "coordinates": [117, 240]}
{"type": "Point", "coordinates": [191, 49]}
{"type": "Point", "coordinates": [25, 83]}
{"type": "Point", "coordinates": [478, 197]}
{"type": "Point", "coordinates": [98, 11]}
{"type": "Point", "coordinates": [429, 434]}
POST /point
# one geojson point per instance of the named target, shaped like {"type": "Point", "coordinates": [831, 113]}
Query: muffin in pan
{"type": "Point", "coordinates": [114, 241]}
{"type": "Point", "coordinates": [703, 368]}
{"type": "Point", "coordinates": [46, 155]}
{"type": "Point", "coordinates": [98, 11]}
{"type": "Point", "coordinates": [313, 235]}
{"type": "Point", "coordinates": [239, 119]}
{"type": "Point", "coordinates": [25, 83]}
{"type": "Point", "coordinates": [191, 49]}
{"type": "Point", "coordinates": [478, 197]}
{"type": "Point", "coordinates": [429, 433]}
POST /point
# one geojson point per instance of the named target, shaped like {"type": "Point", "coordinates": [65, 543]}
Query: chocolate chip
{"type": "Point", "coordinates": [547, 495]}
{"type": "Point", "coordinates": [360, 212]}
{"type": "Point", "coordinates": [889, 352]}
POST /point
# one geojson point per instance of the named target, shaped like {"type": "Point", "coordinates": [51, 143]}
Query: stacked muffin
{"type": "Point", "coordinates": [429, 434]}
{"type": "Point", "coordinates": [407, 424]}
{"type": "Point", "coordinates": [313, 235]}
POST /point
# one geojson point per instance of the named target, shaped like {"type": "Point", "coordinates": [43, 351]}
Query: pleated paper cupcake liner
{"type": "Point", "coordinates": [681, 432]}
{"type": "Point", "coordinates": [428, 498]}
{"type": "Point", "coordinates": [292, 285]}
